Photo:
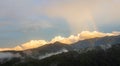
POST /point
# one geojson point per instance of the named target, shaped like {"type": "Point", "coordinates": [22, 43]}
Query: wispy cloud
{"type": "Point", "coordinates": [84, 14]}
{"type": "Point", "coordinates": [80, 14]}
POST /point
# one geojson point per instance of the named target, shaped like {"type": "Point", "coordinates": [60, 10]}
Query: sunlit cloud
{"type": "Point", "coordinates": [69, 40]}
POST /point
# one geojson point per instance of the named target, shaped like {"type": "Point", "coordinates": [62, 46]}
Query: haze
{"type": "Point", "coordinates": [24, 20]}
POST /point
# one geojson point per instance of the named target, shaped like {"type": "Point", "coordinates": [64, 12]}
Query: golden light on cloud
{"type": "Point", "coordinates": [71, 39]}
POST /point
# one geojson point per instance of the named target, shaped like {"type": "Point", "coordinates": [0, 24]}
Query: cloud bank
{"type": "Point", "coordinates": [69, 40]}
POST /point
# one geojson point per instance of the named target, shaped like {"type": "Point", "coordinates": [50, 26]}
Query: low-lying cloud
{"type": "Point", "coordinates": [69, 40]}
{"type": "Point", "coordinates": [4, 57]}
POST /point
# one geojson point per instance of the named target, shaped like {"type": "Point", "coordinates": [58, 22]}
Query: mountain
{"type": "Point", "coordinates": [54, 48]}
{"type": "Point", "coordinates": [104, 42]}
{"type": "Point", "coordinates": [108, 40]}
{"type": "Point", "coordinates": [94, 57]}
{"type": "Point", "coordinates": [37, 55]}
{"type": "Point", "coordinates": [43, 51]}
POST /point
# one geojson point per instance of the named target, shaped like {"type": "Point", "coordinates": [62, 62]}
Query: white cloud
{"type": "Point", "coordinates": [9, 55]}
{"type": "Point", "coordinates": [55, 53]}
{"type": "Point", "coordinates": [6, 55]}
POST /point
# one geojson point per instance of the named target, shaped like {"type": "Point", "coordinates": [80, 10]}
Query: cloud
{"type": "Point", "coordinates": [33, 44]}
{"type": "Point", "coordinates": [54, 53]}
{"type": "Point", "coordinates": [69, 40]}
{"type": "Point", "coordinates": [29, 15]}
{"type": "Point", "coordinates": [4, 57]}
{"type": "Point", "coordinates": [84, 14]}
{"type": "Point", "coordinates": [82, 36]}
{"type": "Point", "coordinates": [80, 14]}
{"type": "Point", "coordinates": [8, 55]}
{"type": "Point", "coordinates": [27, 45]}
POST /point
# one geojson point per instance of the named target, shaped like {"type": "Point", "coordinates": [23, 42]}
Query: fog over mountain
{"type": "Point", "coordinates": [79, 51]}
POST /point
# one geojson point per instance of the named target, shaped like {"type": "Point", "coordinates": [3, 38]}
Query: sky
{"type": "Point", "coordinates": [25, 20]}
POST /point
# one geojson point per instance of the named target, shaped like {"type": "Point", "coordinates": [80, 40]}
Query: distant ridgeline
{"type": "Point", "coordinates": [103, 51]}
